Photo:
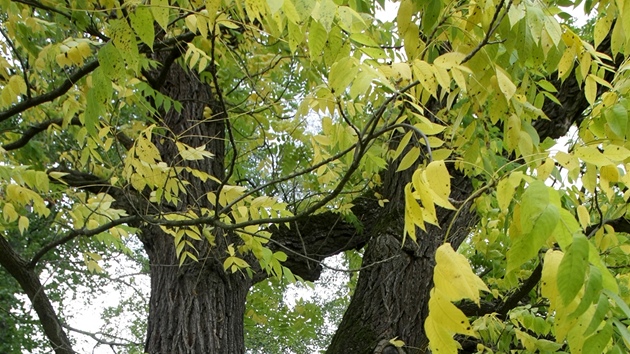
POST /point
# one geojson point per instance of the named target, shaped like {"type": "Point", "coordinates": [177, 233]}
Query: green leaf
{"type": "Point", "coordinates": [573, 269]}
{"type": "Point", "coordinates": [431, 14]}
{"type": "Point", "coordinates": [92, 114]}
{"type": "Point", "coordinates": [622, 304]}
{"type": "Point", "coordinates": [304, 7]}
{"type": "Point", "coordinates": [142, 23]}
{"type": "Point", "coordinates": [325, 13]}
{"type": "Point", "coordinates": [275, 5]}
{"type": "Point", "coordinates": [111, 62]}
{"type": "Point", "coordinates": [316, 40]}
{"type": "Point", "coordinates": [598, 341]}
{"type": "Point", "coordinates": [600, 313]}
{"type": "Point", "coordinates": [101, 86]}
{"type": "Point", "coordinates": [342, 73]}
{"type": "Point", "coordinates": [547, 86]}
{"type": "Point", "coordinates": [623, 330]}
{"type": "Point", "coordinates": [591, 292]}
{"type": "Point", "coordinates": [617, 119]}
{"type": "Point", "coordinates": [160, 10]}
{"type": "Point", "coordinates": [539, 217]}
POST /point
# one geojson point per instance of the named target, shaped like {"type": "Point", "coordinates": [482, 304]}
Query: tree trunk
{"type": "Point", "coordinates": [196, 308]}
{"type": "Point", "coordinates": [392, 294]}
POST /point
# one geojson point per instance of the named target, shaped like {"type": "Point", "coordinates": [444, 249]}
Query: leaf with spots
{"type": "Point", "coordinates": [142, 23]}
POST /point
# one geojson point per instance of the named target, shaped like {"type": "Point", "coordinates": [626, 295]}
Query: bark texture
{"type": "Point", "coordinates": [391, 298]}
{"type": "Point", "coordinates": [196, 308]}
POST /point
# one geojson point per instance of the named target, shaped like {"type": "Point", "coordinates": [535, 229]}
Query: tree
{"type": "Point", "coordinates": [247, 140]}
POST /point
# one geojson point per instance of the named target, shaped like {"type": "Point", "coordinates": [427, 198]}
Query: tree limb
{"type": "Point", "coordinates": [33, 130]}
{"type": "Point", "coordinates": [29, 282]}
{"type": "Point", "coordinates": [502, 308]}
{"type": "Point", "coordinates": [100, 340]}
{"type": "Point", "coordinates": [51, 95]}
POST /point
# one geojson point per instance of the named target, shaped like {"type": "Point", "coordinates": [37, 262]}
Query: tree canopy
{"type": "Point", "coordinates": [224, 144]}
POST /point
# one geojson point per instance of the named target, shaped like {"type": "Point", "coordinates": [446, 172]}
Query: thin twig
{"type": "Point", "coordinates": [494, 24]}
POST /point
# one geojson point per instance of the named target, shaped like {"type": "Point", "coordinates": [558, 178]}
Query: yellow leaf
{"type": "Point", "coordinates": [444, 320]}
{"type": "Point", "coordinates": [189, 153]}
{"type": "Point", "coordinates": [448, 60]}
{"type": "Point", "coordinates": [412, 209]}
{"type": "Point", "coordinates": [450, 317]}
{"type": "Point", "coordinates": [616, 153]}
{"type": "Point", "coordinates": [566, 63]}
{"type": "Point", "coordinates": [567, 161]}
{"type": "Point", "coordinates": [590, 89]}
{"type": "Point", "coordinates": [439, 339]}
{"type": "Point", "coordinates": [403, 18]}
{"type": "Point", "coordinates": [505, 84]}
{"type": "Point", "coordinates": [601, 30]}
{"type": "Point", "coordinates": [549, 288]}
{"type": "Point", "coordinates": [506, 189]}
{"type": "Point", "coordinates": [454, 277]}
{"type": "Point", "coordinates": [17, 85]}
{"type": "Point", "coordinates": [426, 197]}
{"type": "Point", "coordinates": [22, 224]}
{"type": "Point", "coordinates": [191, 23]}
{"type": "Point", "coordinates": [543, 171]}
{"type": "Point", "coordinates": [592, 155]}
{"type": "Point", "coordinates": [8, 212]}
{"type": "Point", "coordinates": [401, 146]}
{"type": "Point", "coordinates": [325, 13]}
{"type": "Point", "coordinates": [160, 10]}
{"type": "Point", "coordinates": [459, 78]}
{"type": "Point", "coordinates": [609, 173]}
{"type": "Point", "coordinates": [439, 182]}
{"type": "Point", "coordinates": [410, 158]}
{"type": "Point", "coordinates": [397, 342]}
{"type": "Point", "coordinates": [512, 132]}
{"type": "Point", "coordinates": [84, 49]}
{"type": "Point", "coordinates": [583, 216]}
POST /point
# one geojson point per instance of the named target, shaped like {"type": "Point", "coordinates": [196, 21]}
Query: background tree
{"type": "Point", "coordinates": [247, 140]}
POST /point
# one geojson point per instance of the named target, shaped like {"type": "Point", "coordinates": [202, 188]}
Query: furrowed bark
{"type": "Point", "coordinates": [391, 298]}
{"type": "Point", "coordinates": [197, 307]}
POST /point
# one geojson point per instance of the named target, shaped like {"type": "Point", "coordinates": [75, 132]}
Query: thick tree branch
{"type": "Point", "coordinates": [317, 237]}
{"type": "Point", "coordinates": [502, 308]}
{"type": "Point", "coordinates": [33, 130]}
{"type": "Point", "coordinates": [29, 282]}
{"type": "Point", "coordinates": [39, 5]}
{"type": "Point", "coordinates": [78, 75]}
{"type": "Point", "coordinates": [51, 95]}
